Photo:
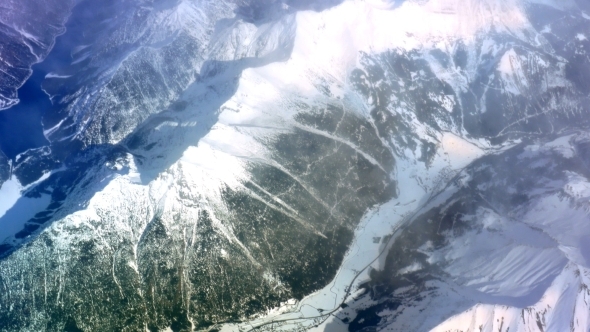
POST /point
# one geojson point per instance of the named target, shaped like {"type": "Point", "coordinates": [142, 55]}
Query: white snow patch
{"type": "Point", "coordinates": [446, 101]}
{"type": "Point", "coordinates": [16, 209]}
{"type": "Point", "coordinates": [28, 36]}
{"type": "Point", "coordinates": [577, 187]}
{"type": "Point", "coordinates": [564, 306]}
{"type": "Point", "coordinates": [562, 145]}
{"type": "Point", "coordinates": [211, 165]}
{"type": "Point", "coordinates": [461, 151]}
{"type": "Point", "coordinates": [51, 130]}
{"type": "Point", "coordinates": [81, 58]}
{"type": "Point", "coordinates": [133, 265]}
{"type": "Point", "coordinates": [54, 75]}
{"type": "Point", "coordinates": [10, 192]}
{"type": "Point", "coordinates": [44, 177]}
{"type": "Point", "coordinates": [77, 49]}
{"type": "Point", "coordinates": [512, 72]}
{"type": "Point", "coordinates": [411, 268]}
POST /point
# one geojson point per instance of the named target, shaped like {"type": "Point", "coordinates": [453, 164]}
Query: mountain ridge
{"type": "Point", "coordinates": [276, 184]}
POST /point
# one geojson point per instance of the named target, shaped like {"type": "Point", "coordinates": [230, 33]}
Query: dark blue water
{"type": "Point", "coordinates": [20, 126]}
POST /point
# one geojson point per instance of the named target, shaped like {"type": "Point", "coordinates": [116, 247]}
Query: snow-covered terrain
{"type": "Point", "coordinates": [503, 265]}
{"type": "Point", "coordinates": [10, 194]}
{"type": "Point", "coordinates": [16, 209]}
{"type": "Point", "coordinates": [307, 165]}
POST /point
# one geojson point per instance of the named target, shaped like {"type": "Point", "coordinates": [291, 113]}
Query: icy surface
{"type": "Point", "coordinates": [16, 209]}
{"type": "Point", "coordinates": [10, 192]}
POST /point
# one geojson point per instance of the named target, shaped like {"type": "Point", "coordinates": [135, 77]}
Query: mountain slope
{"type": "Point", "coordinates": [216, 165]}
{"type": "Point", "coordinates": [28, 30]}
{"type": "Point", "coordinates": [505, 246]}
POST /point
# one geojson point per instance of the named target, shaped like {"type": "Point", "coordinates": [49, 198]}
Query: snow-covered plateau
{"type": "Point", "coordinates": [291, 165]}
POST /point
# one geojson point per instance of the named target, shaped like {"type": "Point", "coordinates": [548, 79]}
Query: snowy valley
{"type": "Point", "coordinates": [359, 165]}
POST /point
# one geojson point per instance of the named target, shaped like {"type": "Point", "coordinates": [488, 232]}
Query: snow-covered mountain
{"type": "Point", "coordinates": [294, 165]}
{"type": "Point", "coordinates": [27, 34]}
